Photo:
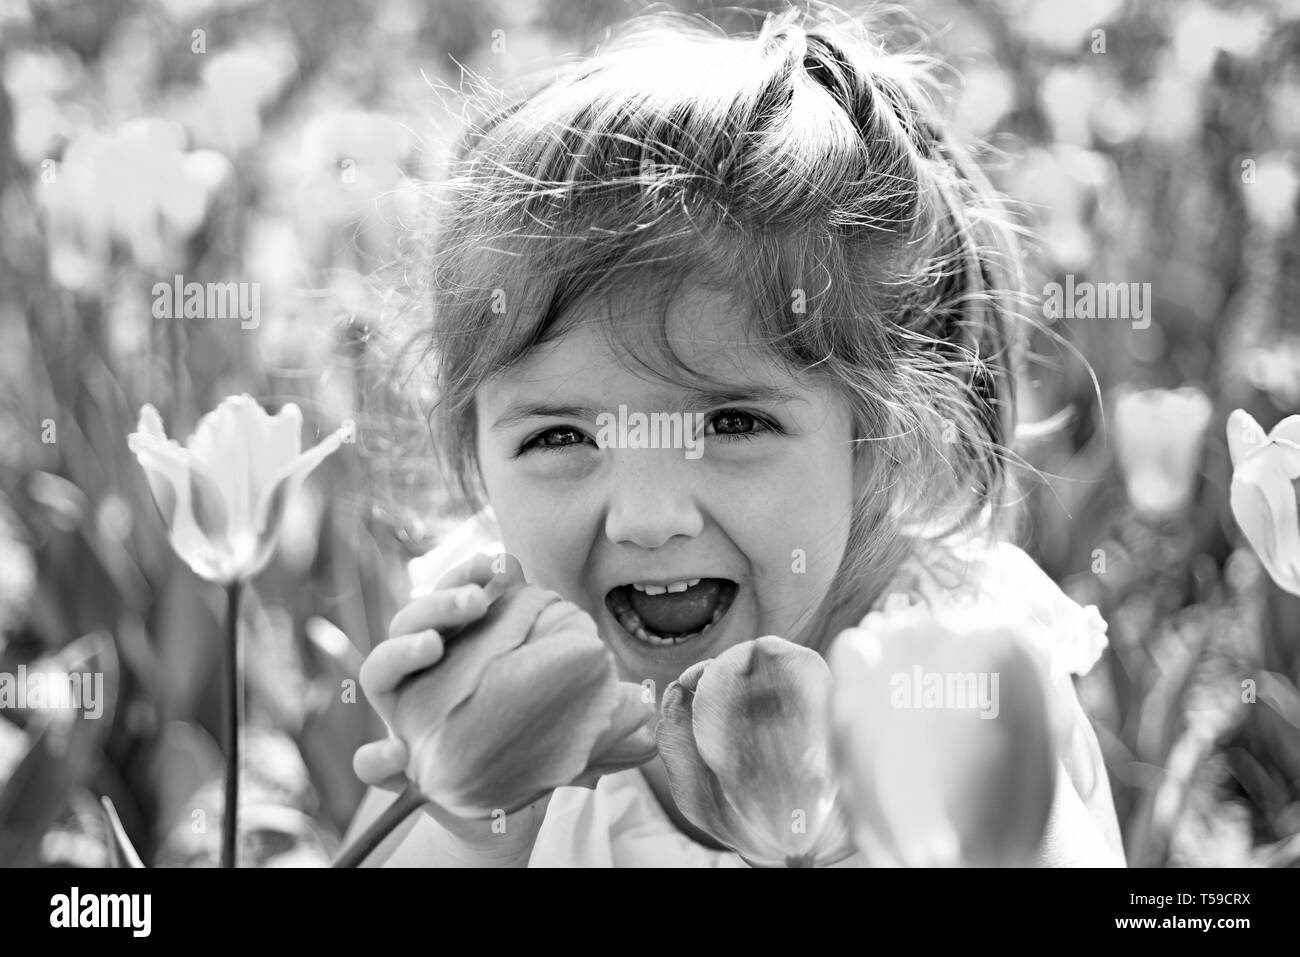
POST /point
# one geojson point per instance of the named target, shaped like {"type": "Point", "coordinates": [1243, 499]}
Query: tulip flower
{"type": "Point", "coordinates": [1158, 439]}
{"type": "Point", "coordinates": [943, 739]}
{"type": "Point", "coordinates": [134, 186]}
{"type": "Point", "coordinates": [349, 172]}
{"type": "Point", "coordinates": [524, 700]}
{"type": "Point", "coordinates": [223, 494]}
{"type": "Point", "coordinates": [223, 497]}
{"type": "Point", "coordinates": [744, 739]}
{"type": "Point", "coordinates": [1270, 202]}
{"type": "Point", "coordinates": [1263, 496]}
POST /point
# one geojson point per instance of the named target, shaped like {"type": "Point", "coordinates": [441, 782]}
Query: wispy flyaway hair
{"type": "Point", "coordinates": [807, 171]}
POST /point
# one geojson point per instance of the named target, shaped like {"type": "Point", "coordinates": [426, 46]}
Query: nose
{"type": "Point", "coordinates": [652, 498]}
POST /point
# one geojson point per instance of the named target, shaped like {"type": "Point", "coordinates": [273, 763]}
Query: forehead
{"type": "Point", "coordinates": [708, 329]}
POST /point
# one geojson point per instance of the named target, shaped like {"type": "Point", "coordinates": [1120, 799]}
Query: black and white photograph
{"type": "Point", "coordinates": [591, 434]}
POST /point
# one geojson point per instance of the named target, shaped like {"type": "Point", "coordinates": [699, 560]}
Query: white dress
{"type": "Point", "coordinates": [620, 823]}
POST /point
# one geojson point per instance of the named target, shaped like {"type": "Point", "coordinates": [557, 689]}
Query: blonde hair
{"type": "Point", "coordinates": [805, 168]}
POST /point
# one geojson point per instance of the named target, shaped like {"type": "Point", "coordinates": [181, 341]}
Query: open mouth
{"type": "Point", "coordinates": [671, 614]}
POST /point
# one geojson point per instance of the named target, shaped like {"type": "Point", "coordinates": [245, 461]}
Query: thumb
{"type": "Point", "coordinates": [506, 573]}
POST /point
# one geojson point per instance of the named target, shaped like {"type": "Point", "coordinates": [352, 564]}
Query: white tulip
{"type": "Point", "coordinates": [943, 734]}
{"type": "Point", "coordinates": [223, 494]}
{"type": "Point", "coordinates": [1158, 439]}
{"type": "Point", "coordinates": [1264, 469]}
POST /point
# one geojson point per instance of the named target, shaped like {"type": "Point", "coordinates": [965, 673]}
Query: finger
{"type": "Point", "coordinates": [442, 609]}
{"type": "Point", "coordinates": [495, 573]}
{"type": "Point", "coordinates": [392, 660]}
{"type": "Point", "coordinates": [382, 764]}
{"type": "Point", "coordinates": [510, 575]}
{"type": "Point", "coordinates": [475, 570]}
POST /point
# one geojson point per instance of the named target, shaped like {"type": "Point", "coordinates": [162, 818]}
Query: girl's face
{"type": "Point", "coordinates": [757, 509]}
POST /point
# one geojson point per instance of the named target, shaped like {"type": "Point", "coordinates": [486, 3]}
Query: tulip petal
{"type": "Point", "coordinates": [835, 841]}
{"type": "Point", "coordinates": [246, 451]}
{"type": "Point", "coordinates": [860, 714]}
{"type": "Point", "coordinates": [1263, 501]}
{"type": "Point", "coordinates": [426, 699]}
{"type": "Point", "coordinates": [170, 470]}
{"type": "Point", "coordinates": [694, 787]}
{"type": "Point", "coordinates": [528, 728]}
{"type": "Point", "coordinates": [224, 441]}
{"type": "Point", "coordinates": [161, 471]}
{"type": "Point", "coordinates": [933, 780]}
{"type": "Point", "coordinates": [207, 505]}
{"type": "Point", "coordinates": [271, 506]}
{"type": "Point", "coordinates": [629, 740]}
{"type": "Point", "coordinates": [1287, 430]}
{"type": "Point", "coordinates": [273, 500]}
{"type": "Point", "coordinates": [1244, 436]}
{"type": "Point", "coordinates": [761, 725]}
{"type": "Point", "coordinates": [690, 678]}
{"type": "Point", "coordinates": [1026, 757]}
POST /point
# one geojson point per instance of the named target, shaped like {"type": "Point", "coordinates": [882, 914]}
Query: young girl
{"type": "Point", "coordinates": [776, 232]}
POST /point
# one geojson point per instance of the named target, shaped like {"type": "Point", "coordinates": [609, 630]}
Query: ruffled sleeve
{"type": "Point", "coordinates": [478, 533]}
{"type": "Point", "coordinates": [1004, 580]}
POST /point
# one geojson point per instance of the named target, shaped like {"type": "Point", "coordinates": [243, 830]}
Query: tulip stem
{"type": "Point", "coordinates": [408, 801]}
{"type": "Point", "coordinates": [230, 728]}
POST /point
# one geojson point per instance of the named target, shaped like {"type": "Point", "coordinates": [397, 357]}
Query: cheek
{"type": "Point", "coordinates": [813, 497]}
{"type": "Point", "coordinates": [549, 535]}
{"type": "Point", "coordinates": [801, 528]}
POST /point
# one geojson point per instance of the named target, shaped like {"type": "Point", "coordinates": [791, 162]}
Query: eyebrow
{"type": "Point", "coordinates": [519, 411]}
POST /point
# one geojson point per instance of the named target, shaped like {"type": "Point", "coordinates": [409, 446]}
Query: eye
{"type": "Point", "coordinates": [554, 439]}
{"type": "Point", "coordinates": [737, 424]}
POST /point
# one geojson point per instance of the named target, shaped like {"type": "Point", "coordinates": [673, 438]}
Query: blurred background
{"type": "Point", "coordinates": [280, 144]}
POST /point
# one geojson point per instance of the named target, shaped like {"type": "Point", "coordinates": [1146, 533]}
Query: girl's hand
{"type": "Point", "coordinates": [415, 642]}
{"type": "Point", "coordinates": [500, 706]}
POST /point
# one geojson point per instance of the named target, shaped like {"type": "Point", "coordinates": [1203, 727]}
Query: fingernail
{"type": "Point", "coordinates": [463, 598]}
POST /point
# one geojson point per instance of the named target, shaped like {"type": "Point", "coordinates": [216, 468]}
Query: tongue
{"type": "Point", "coordinates": [678, 613]}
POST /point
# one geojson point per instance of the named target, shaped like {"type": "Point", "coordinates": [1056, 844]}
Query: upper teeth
{"type": "Point", "coordinates": [673, 587]}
